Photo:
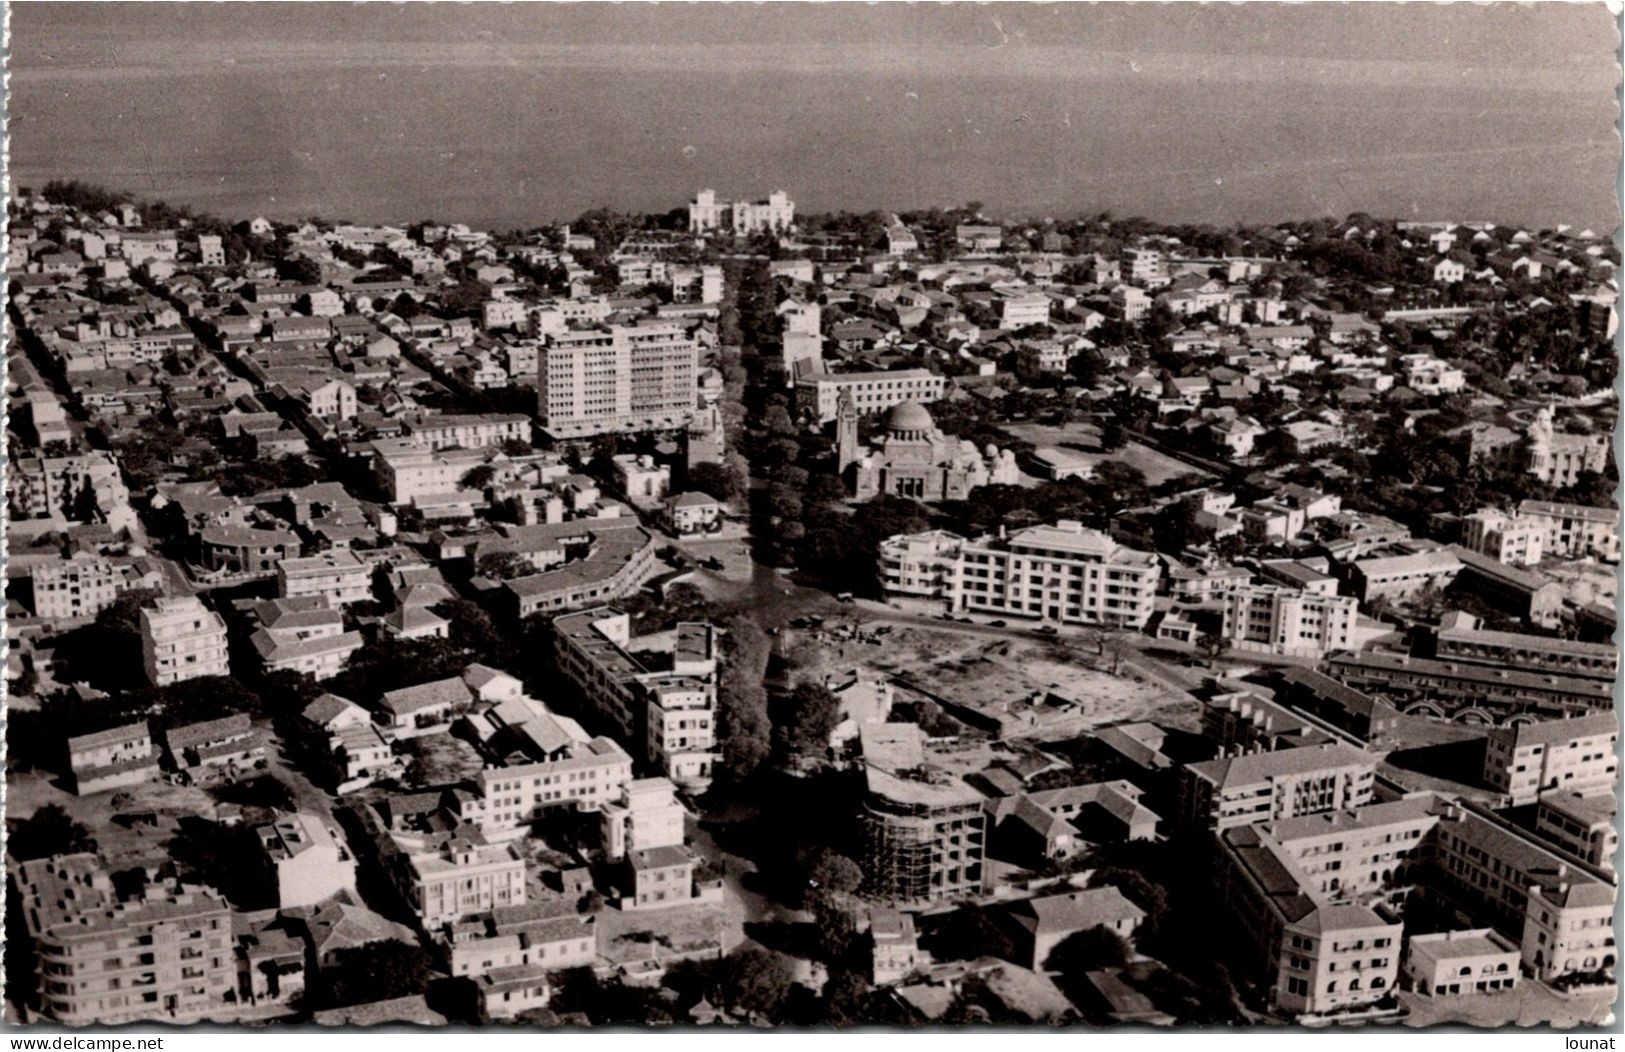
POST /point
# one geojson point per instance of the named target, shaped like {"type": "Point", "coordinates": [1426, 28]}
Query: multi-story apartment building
{"type": "Point", "coordinates": [1584, 825]}
{"type": "Point", "coordinates": [78, 588]}
{"type": "Point", "coordinates": [1554, 912]}
{"type": "Point", "coordinates": [49, 487]}
{"type": "Point", "coordinates": [646, 816]}
{"type": "Point", "coordinates": [924, 831]}
{"type": "Point", "coordinates": [696, 284]}
{"type": "Point", "coordinates": [587, 775]}
{"type": "Point", "coordinates": [445, 877]}
{"type": "Point", "coordinates": [1241, 721]}
{"type": "Point", "coordinates": [411, 474]}
{"type": "Point", "coordinates": [1504, 538]}
{"type": "Point", "coordinates": [1559, 910]}
{"type": "Point", "coordinates": [1461, 640]}
{"type": "Point", "coordinates": [1573, 531]}
{"type": "Point", "coordinates": [305, 860]}
{"type": "Point", "coordinates": [1286, 621]}
{"type": "Point", "coordinates": [337, 576]}
{"type": "Point", "coordinates": [1144, 267]}
{"type": "Point", "coordinates": [1430, 687]}
{"type": "Point", "coordinates": [112, 759]}
{"type": "Point", "coordinates": [1396, 577]}
{"type": "Point", "coordinates": [670, 710]}
{"type": "Point", "coordinates": [1019, 309]}
{"type": "Point", "coordinates": [1361, 852]}
{"type": "Point", "coordinates": [1268, 786]}
{"type": "Point", "coordinates": [1528, 759]}
{"type": "Point", "coordinates": [302, 635]}
{"type": "Point", "coordinates": [465, 431]}
{"type": "Point", "coordinates": [1062, 573]}
{"type": "Point", "coordinates": [871, 392]}
{"type": "Point", "coordinates": [617, 378]}
{"type": "Point", "coordinates": [513, 936]}
{"type": "Point", "coordinates": [182, 639]}
{"type": "Point", "coordinates": [163, 952]}
{"type": "Point", "coordinates": [1314, 953]}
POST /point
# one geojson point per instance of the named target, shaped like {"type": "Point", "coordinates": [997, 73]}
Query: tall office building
{"type": "Point", "coordinates": [617, 378]}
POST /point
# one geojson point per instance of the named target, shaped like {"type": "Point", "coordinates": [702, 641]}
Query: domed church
{"type": "Point", "coordinates": [914, 458]}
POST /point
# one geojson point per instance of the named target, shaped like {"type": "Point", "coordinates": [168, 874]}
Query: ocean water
{"type": "Point", "coordinates": [516, 144]}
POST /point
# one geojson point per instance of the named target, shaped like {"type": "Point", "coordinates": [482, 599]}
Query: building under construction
{"type": "Point", "coordinates": [924, 829]}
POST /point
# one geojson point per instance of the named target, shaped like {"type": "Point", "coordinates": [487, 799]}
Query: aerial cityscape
{"type": "Point", "coordinates": [735, 613]}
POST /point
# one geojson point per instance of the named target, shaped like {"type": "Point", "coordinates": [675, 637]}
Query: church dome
{"type": "Point", "coordinates": [907, 416]}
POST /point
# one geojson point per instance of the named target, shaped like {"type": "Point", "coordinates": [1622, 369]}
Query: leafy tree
{"type": "Point", "coordinates": [479, 477]}
{"type": "Point", "coordinates": [1212, 644]}
{"type": "Point", "coordinates": [473, 630]}
{"type": "Point", "coordinates": [813, 713]}
{"type": "Point", "coordinates": [300, 269]}
{"type": "Point", "coordinates": [47, 832]}
{"type": "Point", "coordinates": [503, 566]}
{"type": "Point", "coordinates": [754, 982]}
{"type": "Point", "coordinates": [846, 998]}
{"type": "Point", "coordinates": [1086, 951]}
{"type": "Point", "coordinates": [745, 730]}
{"type": "Point", "coordinates": [378, 971]}
{"type": "Point", "coordinates": [968, 933]}
{"type": "Point", "coordinates": [719, 480]}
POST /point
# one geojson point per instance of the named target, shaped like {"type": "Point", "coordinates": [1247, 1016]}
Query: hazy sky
{"type": "Point", "coordinates": [1557, 45]}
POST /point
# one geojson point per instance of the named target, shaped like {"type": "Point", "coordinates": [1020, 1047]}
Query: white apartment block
{"type": "Point", "coordinates": [672, 713]}
{"type": "Point", "coordinates": [411, 474]}
{"type": "Point", "coordinates": [587, 775]}
{"type": "Point", "coordinates": [337, 576]}
{"type": "Point", "coordinates": [1144, 267]}
{"type": "Point", "coordinates": [163, 954]}
{"type": "Point", "coordinates": [445, 877]}
{"type": "Point", "coordinates": [466, 431]}
{"type": "Point", "coordinates": [1315, 953]}
{"type": "Point", "coordinates": [1018, 310]}
{"type": "Point", "coordinates": [1269, 786]}
{"type": "Point", "coordinates": [1278, 620]}
{"type": "Point", "coordinates": [76, 588]}
{"type": "Point", "coordinates": [1584, 825]}
{"type": "Point", "coordinates": [617, 379]}
{"type": "Point", "coordinates": [1573, 531]}
{"type": "Point", "coordinates": [1560, 912]}
{"type": "Point", "coordinates": [696, 284]}
{"type": "Point", "coordinates": [872, 392]}
{"type": "Point", "coordinates": [1063, 573]}
{"type": "Point", "coordinates": [306, 859]}
{"type": "Point", "coordinates": [182, 639]}
{"type": "Point", "coordinates": [1505, 538]}
{"type": "Point", "coordinates": [646, 816]}
{"type": "Point", "coordinates": [1577, 755]}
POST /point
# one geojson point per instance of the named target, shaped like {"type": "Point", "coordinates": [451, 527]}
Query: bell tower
{"type": "Point", "coordinates": [846, 431]}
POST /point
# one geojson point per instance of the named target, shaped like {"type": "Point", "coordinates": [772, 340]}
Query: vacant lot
{"type": "Point", "coordinates": [123, 839]}
{"type": "Point", "coordinates": [1001, 675]}
{"type": "Point", "coordinates": [1081, 438]}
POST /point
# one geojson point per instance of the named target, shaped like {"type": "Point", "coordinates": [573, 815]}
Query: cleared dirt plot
{"type": "Point", "coordinates": [1083, 439]}
{"type": "Point", "coordinates": [1008, 686]}
{"type": "Point", "coordinates": [648, 937]}
{"type": "Point", "coordinates": [131, 826]}
{"type": "Point", "coordinates": [438, 759]}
